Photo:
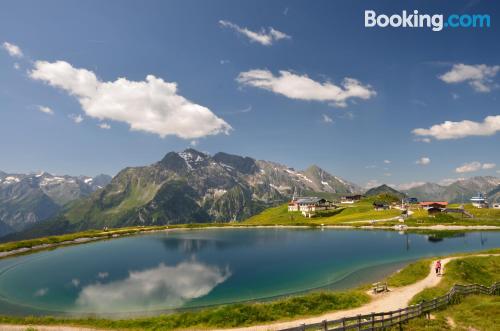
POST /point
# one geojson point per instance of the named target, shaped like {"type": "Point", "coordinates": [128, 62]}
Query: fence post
{"type": "Point", "coordinates": [303, 327]}
{"type": "Point", "coordinates": [373, 320]}
{"type": "Point", "coordinates": [359, 322]}
{"type": "Point", "coordinates": [382, 321]}
{"type": "Point", "coordinates": [325, 325]}
{"type": "Point", "coordinates": [343, 323]}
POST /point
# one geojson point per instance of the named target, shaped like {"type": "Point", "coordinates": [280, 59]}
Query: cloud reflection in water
{"type": "Point", "coordinates": [162, 287]}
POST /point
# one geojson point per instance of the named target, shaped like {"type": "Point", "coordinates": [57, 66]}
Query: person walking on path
{"type": "Point", "coordinates": [438, 267]}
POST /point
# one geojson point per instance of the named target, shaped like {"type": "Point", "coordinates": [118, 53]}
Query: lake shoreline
{"type": "Point", "coordinates": [83, 240]}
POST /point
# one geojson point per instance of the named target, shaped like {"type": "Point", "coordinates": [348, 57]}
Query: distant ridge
{"type": "Point", "coordinates": [191, 186]}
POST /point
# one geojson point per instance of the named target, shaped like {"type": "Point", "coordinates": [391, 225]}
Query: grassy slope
{"type": "Point", "coordinates": [358, 212]}
{"type": "Point", "coordinates": [223, 316]}
{"type": "Point", "coordinates": [481, 270]}
{"type": "Point", "coordinates": [476, 312]}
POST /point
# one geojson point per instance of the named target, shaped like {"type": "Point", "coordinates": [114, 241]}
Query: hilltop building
{"type": "Point", "coordinates": [349, 199]}
{"type": "Point", "coordinates": [434, 204]}
{"type": "Point", "coordinates": [380, 205]}
{"type": "Point", "coordinates": [479, 201]}
{"type": "Point", "coordinates": [410, 201]}
{"type": "Point", "coordinates": [309, 204]}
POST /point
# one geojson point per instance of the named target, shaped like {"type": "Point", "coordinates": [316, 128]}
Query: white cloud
{"type": "Point", "coordinates": [102, 274]}
{"type": "Point", "coordinates": [152, 105]}
{"type": "Point", "coordinates": [372, 183]}
{"type": "Point", "coordinates": [193, 143]}
{"type": "Point", "coordinates": [455, 96]}
{"type": "Point", "coordinates": [76, 118]}
{"type": "Point", "coordinates": [469, 167]}
{"type": "Point", "coordinates": [75, 282]}
{"type": "Point", "coordinates": [159, 288]}
{"type": "Point", "coordinates": [488, 166]}
{"type": "Point", "coordinates": [424, 140]}
{"type": "Point", "coordinates": [104, 126]}
{"type": "Point", "coordinates": [387, 161]}
{"type": "Point", "coordinates": [466, 128]}
{"type": "Point", "coordinates": [302, 87]}
{"type": "Point", "coordinates": [423, 160]}
{"type": "Point", "coordinates": [263, 37]}
{"type": "Point", "coordinates": [407, 186]}
{"type": "Point", "coordinates": [479, 76]}
{"type": "Point", "coordinates": [17, 66]}
{"type": "Point", "coordinates": [224, 61]}
{"type": "Point", "coordinates": [387, 174]}
{"type": "Point", "coordinates": [13, 50]}
{"type": "Point", "coordinates": [46, 110]}
{"type": "Point", "coordinates": [327, 119]}
{"type": "Point", "coordinates": [449, 181]}
{"type": "Point", "coordinates": [41, 292]}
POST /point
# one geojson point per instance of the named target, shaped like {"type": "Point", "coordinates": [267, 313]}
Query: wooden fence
{"type": "Point", "coordinates": [381, 321]}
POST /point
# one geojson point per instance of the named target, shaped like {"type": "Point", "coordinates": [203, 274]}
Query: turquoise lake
{"type": "Point", "coordinates": [164, 271]}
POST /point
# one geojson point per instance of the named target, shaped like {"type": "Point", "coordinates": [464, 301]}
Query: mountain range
{"type": "Point", "coordinates": [184, 187]}
{"type": "Point", "coordinates": [27, 199]}
{"type": "Point", "coordinates": [459, 191]}
{"type": "Point", "coordinates": [191, 186]}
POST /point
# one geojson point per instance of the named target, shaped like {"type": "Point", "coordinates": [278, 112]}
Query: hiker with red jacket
{"type": "Point", "coordinates": [438, 267]}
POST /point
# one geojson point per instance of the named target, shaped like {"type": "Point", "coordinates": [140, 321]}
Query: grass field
{"type": "Point", "coordinates": [219, 317]}
{"type": "Point", "coordinates": [362, 211]}
{"type": "Point", "coordinates": [469, 270]}
{"type": "Point", "coordinates": [475, 312]}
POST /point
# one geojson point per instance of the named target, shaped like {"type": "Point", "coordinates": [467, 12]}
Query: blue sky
{"type": "Point", "coordinates": [278, 95]}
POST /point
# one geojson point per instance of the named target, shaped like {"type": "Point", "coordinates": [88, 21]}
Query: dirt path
{"type": "Point", "coordinates": [398, 297]}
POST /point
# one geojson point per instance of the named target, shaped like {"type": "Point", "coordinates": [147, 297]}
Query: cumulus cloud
{"type": "Point", "coordinates": [449, 181]}
{"type": "Point", "coordinates": [302, 87]}
{"type": "Point", "coordinates": [152, 105]}
{"type": "Point", "coordinates": [474, 166]}
{"type": "Point", "coordinates": [488, 166]}
{"type": "Point", "coordinates": [423, 160]}
{"type": "Point", "coordinates": [41, 292]}
{"type": "Point", "coordinates": [327, 119]}
{"type": "Point", "coordinates": [13, 50]}
{"type": "Point", "coordinates": [102, 274]}
{"type": "Point", "coordinates": [462, 129]}
{"type": "Point", "coordinates": [407, 186]}
{"type": "Point", "coordinates": [479, 76]}
{"type": "Point", "coordinates": [46, 110]}
{"type": "Point", "coordinates": [104, 126]}
{"type": "Point", "coordinates": [424, 140]}
{"type": "Point", "coordinates": [76, 118]}
{"type": "Point", "coordinates": [469, 167]}
{"type": "Point", "coordinates": [387, 161]}
{"type": "Point", "coordinates": [372, 183]}
{"type": "Point", "coordinates": [263, 37]}
{"type": "Point", "coordinates": [161, 287]}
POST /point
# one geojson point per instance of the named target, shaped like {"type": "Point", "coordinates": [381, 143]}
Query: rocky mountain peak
{"type": "Point", "coordinates": [245, 165]}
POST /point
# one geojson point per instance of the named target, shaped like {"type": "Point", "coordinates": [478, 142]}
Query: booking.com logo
{"type": "Point", "coordinates": [437, 22]}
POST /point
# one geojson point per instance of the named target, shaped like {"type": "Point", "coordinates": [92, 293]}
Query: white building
{"type": "Point", "coordinates": [479, 201]}
{"type": "Point", "coordinates": [350, 199]}
{"type": "Point", "coordinates": [308, 204]}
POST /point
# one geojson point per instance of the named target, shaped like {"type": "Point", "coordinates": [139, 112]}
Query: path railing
{"type": "Point", "coordinates": [380, 321]}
